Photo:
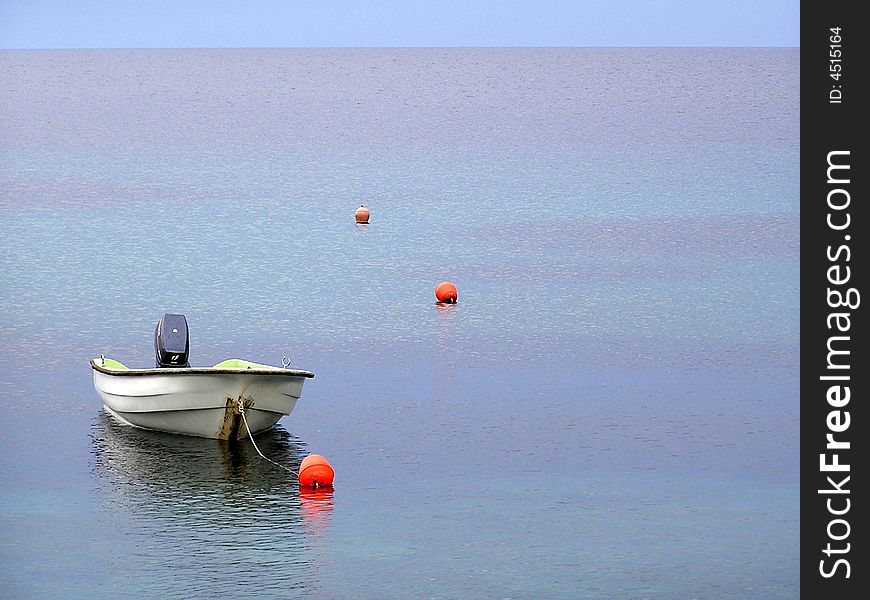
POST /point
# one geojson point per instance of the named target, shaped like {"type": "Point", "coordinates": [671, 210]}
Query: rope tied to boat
{"type": "Point", "coordinates": [251, 437]}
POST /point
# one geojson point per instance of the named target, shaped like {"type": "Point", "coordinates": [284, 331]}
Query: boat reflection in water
{"type": "Point", "coordinates": [217, 513]}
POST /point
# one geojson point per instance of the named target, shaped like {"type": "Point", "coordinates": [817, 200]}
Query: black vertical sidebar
{"type": "Point", "coordinates": [834, 266]}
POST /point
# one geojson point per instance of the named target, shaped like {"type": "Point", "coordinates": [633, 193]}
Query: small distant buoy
{"type": "Point", "coordinates": [362, 214]}
{"type": "Point", "coordinates": [446, 292]}
{"type": "Point", "coordinates": [315, 471]}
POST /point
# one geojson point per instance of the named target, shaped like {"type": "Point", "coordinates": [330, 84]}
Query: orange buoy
{"type": "Point", "coordinates": [362, 214]}
{"type": "Point", "coordinates": [446, 292]}
{"type": "Point", "coordinates": [315, 471]}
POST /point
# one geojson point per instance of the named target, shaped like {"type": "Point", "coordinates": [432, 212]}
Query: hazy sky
{"type": "Point", "coordinates": [361, 23]}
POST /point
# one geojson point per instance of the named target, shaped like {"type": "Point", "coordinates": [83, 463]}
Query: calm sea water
{"type": "Point", "coordinates": [611, 410]}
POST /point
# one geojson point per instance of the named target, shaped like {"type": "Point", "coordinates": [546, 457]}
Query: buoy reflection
{"type": "Point", "coordinates": [316, 506]}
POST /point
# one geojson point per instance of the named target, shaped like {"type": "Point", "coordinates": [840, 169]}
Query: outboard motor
{"type": "Point", "coordinates": [171, 341]}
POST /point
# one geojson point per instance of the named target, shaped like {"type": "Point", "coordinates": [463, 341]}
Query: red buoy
{"type": "Point", "coordinates": [446, 292]}
{"type": "Point", "coordinates": [362, 214]}
{"type": "Point", "coordinates": [315, 471]}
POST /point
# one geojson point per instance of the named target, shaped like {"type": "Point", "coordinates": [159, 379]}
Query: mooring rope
{"type": "Point", "coordinates": [251, 436]}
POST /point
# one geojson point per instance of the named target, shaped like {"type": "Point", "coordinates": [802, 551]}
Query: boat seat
{"type": "Point", "coordinates": [113, 364]}
{"type": "Point", "coordinates": [236, 363]}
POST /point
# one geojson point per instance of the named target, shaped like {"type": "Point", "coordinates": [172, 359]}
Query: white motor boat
{"type": "Point", "coordinates": [227, 401]}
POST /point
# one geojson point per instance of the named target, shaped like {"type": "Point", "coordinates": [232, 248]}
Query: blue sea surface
{"type": "Point", "coordinates": [611, 410]}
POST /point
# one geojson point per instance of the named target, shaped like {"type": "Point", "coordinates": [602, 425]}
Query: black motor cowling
{"type": "Point", "coordinates": [172, 342]}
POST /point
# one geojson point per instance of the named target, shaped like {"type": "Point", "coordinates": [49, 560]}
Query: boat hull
{"type": "Point", "coordinates": [203, 402]}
